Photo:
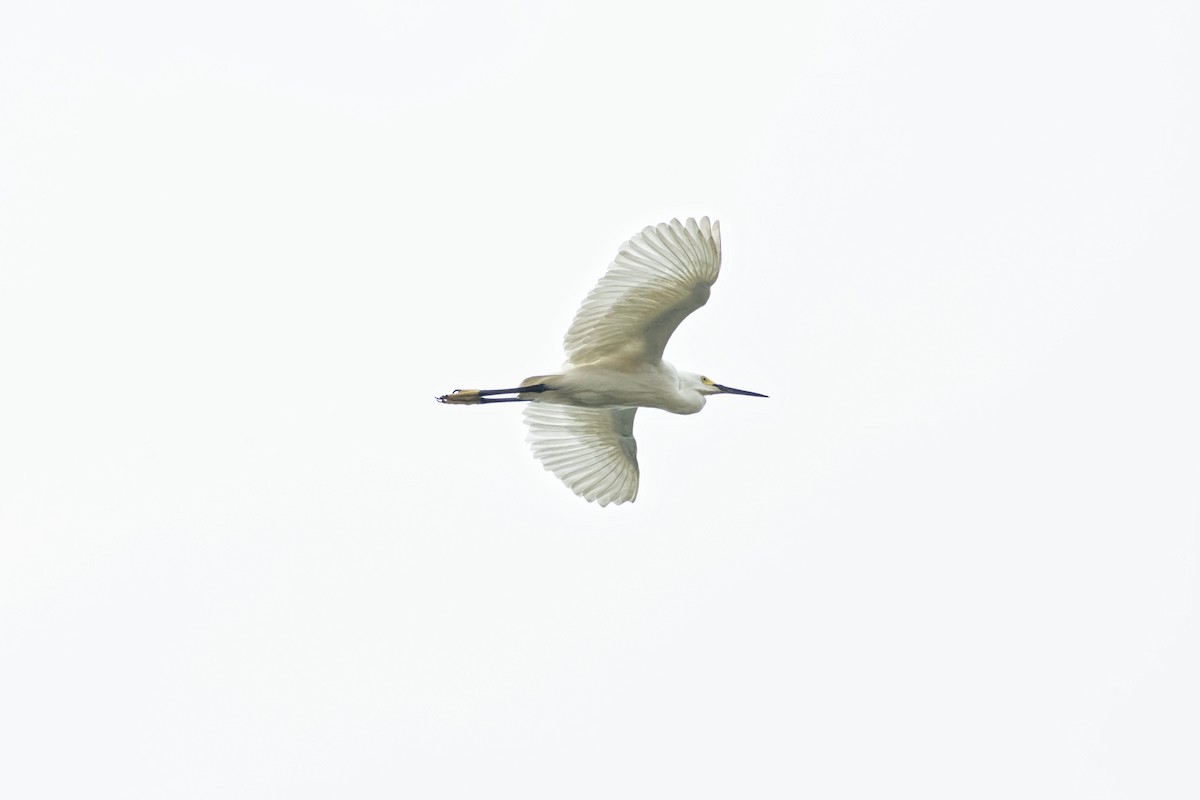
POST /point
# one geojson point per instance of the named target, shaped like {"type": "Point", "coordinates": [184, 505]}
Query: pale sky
{"type": "Point", "coordinates": [244, 554]}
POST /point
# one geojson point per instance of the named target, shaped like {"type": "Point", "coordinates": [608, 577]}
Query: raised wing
{"type": "Point", "coordinates": [591, 450]}
{"type": "Point", "coordinates": [658, 277]}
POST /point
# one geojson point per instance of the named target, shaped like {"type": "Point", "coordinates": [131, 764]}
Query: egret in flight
{"type": "Point", "coordinates": [581, 419]}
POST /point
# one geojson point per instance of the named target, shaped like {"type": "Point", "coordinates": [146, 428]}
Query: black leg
{"type": "Point", "coordinates": [481, 396]}
{"type": "Point", "coordinates": [537, 387]}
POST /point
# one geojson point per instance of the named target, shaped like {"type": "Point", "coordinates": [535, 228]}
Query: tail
{"type": "Point", "coordinates": [549, 381]}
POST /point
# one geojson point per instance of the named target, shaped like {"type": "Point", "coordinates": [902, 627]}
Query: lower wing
{"type": "Point", "coordinates": [591, 450]}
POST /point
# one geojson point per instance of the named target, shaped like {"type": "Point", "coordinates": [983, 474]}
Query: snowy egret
{"type": "Point", "coordinates": [581, 419]}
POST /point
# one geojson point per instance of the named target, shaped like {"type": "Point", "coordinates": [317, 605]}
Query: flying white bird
{"type": "Point", "coordinates": [581, 420]}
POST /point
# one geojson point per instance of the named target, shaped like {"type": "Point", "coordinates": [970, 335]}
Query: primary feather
{"type": "Point", "coordinates": [591, 450]}
{"type": "Point", "coordinates": [658, 277]}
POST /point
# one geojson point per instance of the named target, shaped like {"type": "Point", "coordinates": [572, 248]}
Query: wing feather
{"type": "Point", "coordinates": [591, 450]}
{"type": "Point", "coordinates": [659, 277]}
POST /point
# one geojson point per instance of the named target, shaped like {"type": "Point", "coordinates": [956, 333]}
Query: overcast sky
{"type": "Point", "coordinates": [244, 554]}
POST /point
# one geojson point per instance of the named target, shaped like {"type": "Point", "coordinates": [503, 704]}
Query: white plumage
{"type": "Point", "coordinates": [659, 277]}
{"type": "Point", "coordinates": [581, 420]}
{"type": "Point", "coordinates": [591, 450]}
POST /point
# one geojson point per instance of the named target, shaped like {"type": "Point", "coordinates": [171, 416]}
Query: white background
{"type": "Point", "coordinates": [245, 555]}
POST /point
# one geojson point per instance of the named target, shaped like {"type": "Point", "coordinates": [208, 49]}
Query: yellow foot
{"type": "Point", "coordinates": [462, 397]}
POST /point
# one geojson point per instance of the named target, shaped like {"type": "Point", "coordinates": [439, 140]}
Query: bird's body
{"type": "Point", "coordinates": [581, 419]}
{"type": "Point", "coordinates": [609, 383]}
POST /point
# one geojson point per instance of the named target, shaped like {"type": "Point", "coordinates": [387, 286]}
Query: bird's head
{"type": "Point", "coordinates": [705, 385]}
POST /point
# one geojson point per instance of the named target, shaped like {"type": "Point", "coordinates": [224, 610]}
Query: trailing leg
{"type": "Point", "coordinates": [481, 396]}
